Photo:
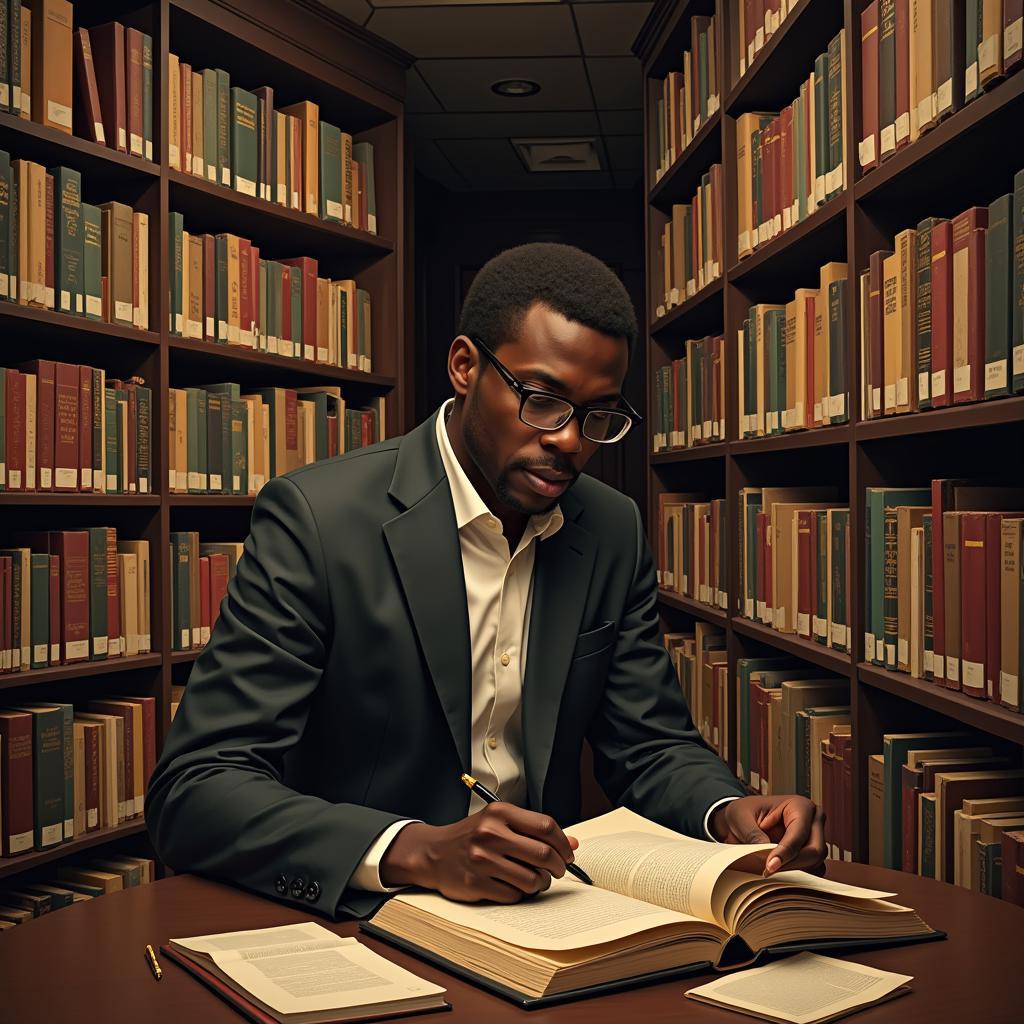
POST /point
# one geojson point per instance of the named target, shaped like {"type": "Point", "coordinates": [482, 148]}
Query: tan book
{"type": "Point", "coordinates": [51, 63]}
{"type": "Point", "coordinates": [800, 417]}
{"type": "Point", "coordinates": [916, 637]}
{"type": "Point", "coordinates": [174, 112]}
{"type": "Point", "coordinates": [108, 881]}
{"type": "Point", "coordinates": [347, 186]}
{"type": "Point", "coordinates": [308, 114]}
{"type": "Point", "coordinates": [26, 64]}
{"type": "Point", "coordinates": [78, 768]}
{"type": "Point", "coordinates": [234, 292]}
{"type": "Point", "coordinates": [32, 232]}
{"type": "Point", "coordinates": [830, 273]}
{"type": "Point", "coordinates": [924, 99]}
{"type": "Point", "coordinates": [140, 269]}
{"type": "Point", "coordinates": [117, 260]}
{"type": "Point", "coordinates": [876, 810]}
{"type": "Point", "coordinates": [194, 296]}
{"type": "Point", "coordinates": [181, 439]}
{"type": "Point", "coordinates": [111, 758]}
{"type": "Point", "coordinates": [323, 311]}
{"type": "Point", "coordinates": [951, 596]}
{"type": "Point", "coordinates": [1010, 574]}
{"type": "Point", "coordinates": [134, 800]}
{"type": "Point", "coordinates": [785, 577]}
{"type": "Point", "coordinates": [128, 569]}
{"type": "Point", "coordinates": [676, 282]}
{"type": "Point", "coordinates": [907, 517]}
{"type": "Point", "coordinates": [966, 829]}
{"type": "Point", "coordinates": [797, 695]}
{"type": "Point", "coordinates": [892, 360]}
{"type": "Point", "coordinates": [990, 47]}
{"type": "Point", "coordinates": [198, 156]}
{"type": "Point", "coordinates": [140, 550]}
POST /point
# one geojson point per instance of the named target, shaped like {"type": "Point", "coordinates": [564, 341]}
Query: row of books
{"type": "Point", "coordinates": [792, 360]}
{"type": "Point", "coordinates": [754, 23]}
{"type": "Point", "coordinates": [58, 252]}
{"type": "Point", "coordinates": [73, 595]}
{"type": "Point", "coordinates": [922, 60]}
{"type": "Point", "coordinates": [701, 665]}
{"type": "Point", "coordinates": [67, 771]}
{"type": "Point", "coordinates": [691, 548]}
{"type": "Point", "coordinates": [200, 575]}
{"type": "Point", "coordinates": [789, 163]}
{"type": "Point", "coordinates": [689, 396]}
{"type": "Point", "coordinates": [944, 585]}
{"type": "Point", "coordinates": [221, 290]}
{"type": "Point", "coordinates": [794, 562]}
{"type": "Point", "coordinates": [691, 243]}
{"type": "Point", "coordinates": [69, 427]}
{"type": "Point", "coordinates": [221, 441]}
{"type": "Point", "coordinates": [689, 96]}
{"type": "Point", "coordinates": [288, 155]}
{"type": "Point", "coordinates": [942, 316]}
{"type": "Point", "coordinates": [72, 881]}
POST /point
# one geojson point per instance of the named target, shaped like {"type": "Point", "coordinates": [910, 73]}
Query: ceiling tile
{"type": "Point", "coordinates": [544, 30]}
{"type": "Point", "coordinates": [616, 82]}
{"type": "Point", "coordinates": [434, 164]}
{"type": "Point", "coordinates": [621, 122]}
{"type": "Point", "coordinates": [466, 84]}
{"type": "Point", "coordinates": [418, 98]}
{"type": "Point", "coordinates": [625, 151]}
{"type": "Point", "coordinates": [355, 10]}
{"type": "Point", "coordinates": [493, 164]}
{"type": "Point", "coordinates": [608, 29]}
{"type": "Point", "coordinates": [527, 123]}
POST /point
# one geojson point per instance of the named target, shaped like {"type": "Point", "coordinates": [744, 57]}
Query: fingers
{"type": "Point", "coordinates": [541, 827]}
{"type": "Point", "coordinates": [803, 844]}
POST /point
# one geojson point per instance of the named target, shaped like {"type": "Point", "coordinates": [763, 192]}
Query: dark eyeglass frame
{"type": "Point", "coordinates": [579, 412]}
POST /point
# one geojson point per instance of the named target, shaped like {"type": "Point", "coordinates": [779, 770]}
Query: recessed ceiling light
{"type": "Point", "coordinates": [515, 87]}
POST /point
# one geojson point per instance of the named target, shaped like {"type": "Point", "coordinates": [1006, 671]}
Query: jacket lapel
{"type": "Point", "coordinates": [424, 544]}
{"type": "Point", "coordinates": [562, 570]}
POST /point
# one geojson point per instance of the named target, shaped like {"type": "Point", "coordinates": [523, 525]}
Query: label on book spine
{"type": "Point", "coordinates": [58, 113]}
{"type": "Point", "coordinates": [938, 383]}
{"type": "Point", "coordinates": [995, 375]}
{"type": "Point", "coordinates": [952, 669]}
{"type": "Point", "coordinates": [1008, 688]}
{"type": "Point", "coordinates": [866, 150]}
{"type": "Point", "coordinates": [938, 666]}
{"type": "Point", "coordinates": [904, 651]}
{"type": "Point", "coordinates": [245, 186]}
{"type": "Point", "coordinates": [971, 78]}
{"type": "Point", "coordinates": [887, 139]}
{"type": "Point", "coordinates": [903, 391]}
{"type": "Point", "coordinates": [1018, 359]}
{"type": "Point", "coordinates": [1012, 38]}
{"type": "Point", "coordinates": [961, 379]}
{"type": "Point", "coordinates": [974, 674]}
{"type": "Point", "coordinates": [903, 127]}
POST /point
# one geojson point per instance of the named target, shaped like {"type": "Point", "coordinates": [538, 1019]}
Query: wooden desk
{"type": "Point", "coordinates": [86, 962]}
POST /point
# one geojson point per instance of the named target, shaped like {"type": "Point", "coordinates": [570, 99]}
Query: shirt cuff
{"type": "Point", "coordinates": [367, 874]}
{"type": "Point", "coordinates": [710, 810]}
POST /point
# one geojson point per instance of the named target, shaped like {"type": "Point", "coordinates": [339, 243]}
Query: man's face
{"type": "Point", "coordinates": [527, 469]}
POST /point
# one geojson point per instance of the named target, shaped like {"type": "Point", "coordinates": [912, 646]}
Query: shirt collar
{"type": "Point", "coordinates": [469, 506]}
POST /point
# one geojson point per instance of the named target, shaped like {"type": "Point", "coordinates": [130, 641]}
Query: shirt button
{"type": "Point", "coordinates": [492, 742]}
{"type": "Point", "coordinates": [505, 659]}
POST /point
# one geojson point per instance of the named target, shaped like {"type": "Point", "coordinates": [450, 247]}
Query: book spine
{"type": "Point", "coordinates": [887, 77]}
{"type": "Point", "coordinates": [998, 285]}
{"type": "Point", "coordinates": [1017, 287]}
{"type": "Point", "coordinates": [868, 149]}
{"type": "Point", "coordinates": [941, 314]}
{"type": "Point", "coordinates": [973, 607]}
{"type": "Point", "coordinates": [928, 599]}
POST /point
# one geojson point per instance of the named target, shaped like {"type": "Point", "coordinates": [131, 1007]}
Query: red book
{"type": "Point", "coordinates": [114, 646]}
{"type": "Point", "coordinates": [286, 310]}
{"type": "Point", "coordinates": [55, 612]}
{"type": "Point", "coordinates": [87, 97]}
{"type": "Point", "coordinates": [16, 430]}
{"type": "Point", "coordinates": [902, 73]}
{"type": "Point", "coordinates": [993, 600]}
{"type": "Point", "coordinates": [65, 447]}
{"type": "Point", "coordinates": [85, 428]}
{"type": "Point", "coordinates": [91, 736]}
{"type": "Point", "coordinates": [16, 789]}
{"type": "Point", "coordinates": [806, 528]}
{"type": "Point", "coordinates": [868, 148]}
{"type": "Point", "coordinates": [254, 291]}
{"type": "Point", "coordinates": [784, 199]}
{"type": "Point", "coordinates": [44, 372]}
{"type": "Point", "coordinates": [968, 350]}
{"type": "Point", "coordinates": [245, 316]}
{"type": "Point", "coordinates": [942, 313]}
{"type": "Point", "coordinates": [6, 626]}
{"type": "Point", "coordinates": [113, 707]}
{"type": "Point", "coordinates": [204, 598]}
{"type": "Point", "coordinates": [332, 435]}
{"type": "Point", "coordinates": [209, 287]}
{"type": "Point", "coordinates": [108, 52]}
{"type": "Point", "coordinates": [185, 75]}
{"type": "Point", "coordinates": [749, 28]}
{"type": "Point", "coordinates": [308, 268]}
{"type": "Point", "coordinates": [133, 44]}
{"type": "Point", "coordinates": [844, 764]}
{"type": "Point", "coordinates": [717, 193]}
{"type": "Point", "coordinates": [73, 548]}
{"type": "Point", "coordinates": [50, 294]}
{"type": "Point", "coordinates": [218, 585]}
{"type": "Point", "coordinates": [148, 705]}
{"type": "Point", "coordinates": [973, 603]}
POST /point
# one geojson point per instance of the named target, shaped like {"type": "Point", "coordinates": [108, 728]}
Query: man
{"type": "Point", "coordinates": [458, 599]}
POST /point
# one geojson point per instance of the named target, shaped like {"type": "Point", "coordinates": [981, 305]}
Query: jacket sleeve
{"type": "Point", "coordinates": [216, 803]}
{"type": "Point", "coordinates": [648, 755]}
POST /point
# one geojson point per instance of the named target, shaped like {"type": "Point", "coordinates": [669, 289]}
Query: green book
{"type": "Point", "coordinates": [6, 266]}
{"type": "Point", "coordinates": [753, 503]}
{"type": "Point", "coordinates": [147, 96]}
{"type": "Point", "coordinates": [702, 75]}
{"type": "Point", "coordinates": [47, 773]}
{"type": "Point", "coordinates": [838, 406]}
{"type": "Point", "coordinates": [223, 127]}
{"type": "Point", "coordinates": [82, 887]}
{"type": "Point", "coordinates": [244, 168]}
{"type": "Point", "coordinates": [220, 247]}
{"type": "Point", "coordinates": [181, 631]}
{"type": "Point", "coordinates": [330, 172]}
{"type": "Point", "coordinates": [821, 138]}
{"type": "Point", "coordinates": [120, 403]}
{"type": "Point", "coordinates": [923, 313]}
{"type": "Point", "coordinates": [98, 591]}
{"type": "Point", "coordinates": [214, 443]}
{"type": "Point", "coordinates": [744, 667]}
{"type": "Point", "coordinates": [14, 55]}
{"type": "Point", "coordinates": [362, 153]}
{"type": "Point", "coordinates": [210, 124]}
{"type": "Point", "coordinates": [110, 441]}
{"type": "Point", "coordinates": [92, 261]}
{"type": "Point", "coordinates": [68, 751]}
{"type": "Point", "coordinates": [273, 320]}
{"type": "Point", "coordinates": [819, 622]}
{"type": "Point", "coordinates": [834, 173]}
{"type": "Point", "coordinates": [193, 477]}
{"type": "Point", "coordinates": [59, 897]}
{"type": "Point", "coordinates": [840, 622]}
{"type": "Point", "coordinates": [972, 39]}
{"type": "Point", "coordinates": [999, 259]}
{"type": "Point", "coordinates": [990, 868]}
{"type": "Point", "coordinates": [5, 63]}
{"type": "Point", "coordinates": [1017, 293]}
{"type": "Point", "coordinates": [175, 264]}
{"type": "Point", "coordinates": [67, 237]}
{"type": "Point", "coordinates": [775, 322]}
{"type": "Point", "coordinates": [39, 651]}
{"type": "Point", "coordinates": [878, 499]}
{"type": "Point", "coordinates": [802, 743]}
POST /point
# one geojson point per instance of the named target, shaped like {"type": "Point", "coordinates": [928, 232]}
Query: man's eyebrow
{"type": "Point", "coordinates": [555, 384]}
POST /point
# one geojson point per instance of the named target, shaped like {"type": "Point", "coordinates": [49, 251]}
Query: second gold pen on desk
{"type": "Point", "coordinates": [153, 965]}
{"type": "Point", "coordinates": [486, 795]}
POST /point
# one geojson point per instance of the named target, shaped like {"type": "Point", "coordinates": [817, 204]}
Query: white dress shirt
{"type": "Point", "coordinates": [499, 594]}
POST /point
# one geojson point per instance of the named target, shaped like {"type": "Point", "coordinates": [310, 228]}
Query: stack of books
{"type": "Point", "coordinates": [689, 396]}
{"type": "Point", "coordinates": [200, 575]}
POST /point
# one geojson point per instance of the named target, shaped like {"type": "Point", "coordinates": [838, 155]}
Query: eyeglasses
{"type": "Point", "coordinates": [543, 410]}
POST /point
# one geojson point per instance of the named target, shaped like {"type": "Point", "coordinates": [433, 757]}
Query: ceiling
{"type": "Point", "coordinates": [579, 52]}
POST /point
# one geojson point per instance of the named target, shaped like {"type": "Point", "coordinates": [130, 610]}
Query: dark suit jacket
{"type": "Point", "coordinates": [334, 695]}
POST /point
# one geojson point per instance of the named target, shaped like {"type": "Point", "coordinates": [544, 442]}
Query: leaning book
{"type": "Point", "coordinates": [303, 974]}
{"type": "Point", "coordinates": [662, 905]}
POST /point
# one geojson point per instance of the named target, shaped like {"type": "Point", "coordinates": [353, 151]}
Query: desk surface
{"type": "Point", "coordinates": [86, 962]}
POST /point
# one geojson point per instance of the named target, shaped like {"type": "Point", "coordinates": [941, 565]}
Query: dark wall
{"type": "Point", "coordinates": [457, 232]}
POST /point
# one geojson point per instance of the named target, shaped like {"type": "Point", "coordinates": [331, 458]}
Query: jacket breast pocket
{"type": "Point", "coordinates": [594, 641]}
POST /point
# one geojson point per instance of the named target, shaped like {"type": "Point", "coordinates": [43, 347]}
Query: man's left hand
{"type": "Point", "coordinates": [792, 822]}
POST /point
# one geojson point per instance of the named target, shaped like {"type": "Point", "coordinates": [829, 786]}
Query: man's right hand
{"type": "Point", "coordinates": [502, 853]}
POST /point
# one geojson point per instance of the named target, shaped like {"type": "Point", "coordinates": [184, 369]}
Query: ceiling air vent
{"type": "Point", "coordinates": [557, 154]}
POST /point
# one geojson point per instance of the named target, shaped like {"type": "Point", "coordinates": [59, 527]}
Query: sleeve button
{"type": "Point", "coordinates": [298, 885]}
{"type": "Point", "coordinates": [281, 884]}
{"type": "Point", "coordinates": [313, 892]}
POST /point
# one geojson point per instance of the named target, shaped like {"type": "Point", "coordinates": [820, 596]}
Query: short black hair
{"type": "Point", "coordinates": [568, 280]}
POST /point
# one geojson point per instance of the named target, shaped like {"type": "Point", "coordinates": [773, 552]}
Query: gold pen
{"type": "Point", "coordinates": [153, 965]}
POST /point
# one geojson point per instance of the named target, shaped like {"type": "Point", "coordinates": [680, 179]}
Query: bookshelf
{"type": "Point", "coordinates": [968, 154]}
{"type": "Point", "coordinates": [304, 51]}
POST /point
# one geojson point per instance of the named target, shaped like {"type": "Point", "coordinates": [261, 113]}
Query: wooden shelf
{"type": "Point", "coordinates": [77, 669]}
{"type": "Point", "coordinates": [211, 500]}
{"type": "Point", "coordinates": [698, 609]}
{"type": "Point", "coordinates": [808, 650]}
{"type": "Point", "coordinates": [955, 417]}
{"type": "Point", "coordinates": [979, 714]}
{"type": "Point", "coordinates": [184, 657]}
{"type": "Point", "coordinates": [36, 858]}
{"type": "Point", "coordinates": [699, 452]}
{"type": "Point", "coordinates": [701, 306]}
{"type": "Point", "coordinates": [679, 183]}
{"type": "Point", "coordinates": [73, 498]}
{"type": "Point", "coordinates": [818, 437]}
{"type": "Point", "coordinates": [33, 321]}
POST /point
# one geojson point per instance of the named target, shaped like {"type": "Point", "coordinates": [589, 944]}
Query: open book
{"type": "Point", "coordinates": [660, 902]}
{"type": "Point", "coordinates": [303, 974]}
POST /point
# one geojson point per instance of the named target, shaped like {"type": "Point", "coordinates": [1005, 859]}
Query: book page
{"type": "Point", "coordinates": [802, 989]}
{"type": "Point", "coordinates": [305, 968]}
